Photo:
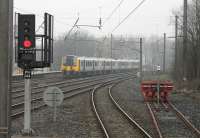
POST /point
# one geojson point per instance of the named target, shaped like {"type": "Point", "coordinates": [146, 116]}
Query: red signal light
{"type": "Point", "coordinates": [27, 44]}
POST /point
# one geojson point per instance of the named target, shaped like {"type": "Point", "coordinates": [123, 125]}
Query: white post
{"type": "Point", "coordinates": [141, 71]}
{"type": "Point", "coordinates": [158, 84]}
{"type": "Point", "coordinates": [158, 88]}
{"type": "Point", "coordinates": [27, 107]}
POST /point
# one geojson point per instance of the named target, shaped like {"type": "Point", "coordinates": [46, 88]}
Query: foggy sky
{"type": "Point", "coordinates": [153, 17]}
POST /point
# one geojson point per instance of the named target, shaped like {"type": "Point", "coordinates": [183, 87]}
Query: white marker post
{"type": "Point", "coordinates": [158, 85]}
{"type": "Point", "coordinates": [27, 104]}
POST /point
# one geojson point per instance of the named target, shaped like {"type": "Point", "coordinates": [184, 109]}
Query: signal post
{"type": "Point", "coordinates": [26, 57]}
{"type": "Point", "coordinates": [26, 51]}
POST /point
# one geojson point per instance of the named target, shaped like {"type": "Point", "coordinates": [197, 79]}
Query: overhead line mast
{"type": "Point", "coordinates": [185, 38]}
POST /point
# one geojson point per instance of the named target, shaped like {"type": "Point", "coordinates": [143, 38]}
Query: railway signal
{"type": "Point", "coordinates": [26, 32]}
{"type": "Point", "coordinates": [26, 51]}
{"type": "Point", "coordinates": [26, 40]}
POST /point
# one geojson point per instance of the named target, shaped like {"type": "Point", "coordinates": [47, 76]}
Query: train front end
{"type": "Point", "coordinates": [70, 65]}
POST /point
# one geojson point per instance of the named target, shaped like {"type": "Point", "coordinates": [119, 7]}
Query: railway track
{"type": "Point", "coordinates": [18, 81]}
{"type": "Point", "coordinates": [114, 121]}
{"type": "Point", "coordinates": [70, 89]}
{"type": "Point", "coordinates": [17, 95]}
{"type": "Point", "coordinates": [46, 82]}
{"type": "Point", "coordinates": [170, 122]}
{"type": "Point", "coordinates": [188, 104]}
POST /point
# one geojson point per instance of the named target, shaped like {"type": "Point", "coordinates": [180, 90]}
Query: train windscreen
{"type": "Point", "coordinates": [70, 61]}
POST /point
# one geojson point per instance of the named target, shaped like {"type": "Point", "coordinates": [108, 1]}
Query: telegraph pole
{"type": "Point", "coordinates": [164, 52]}
{"type": "Point", "coordinates": [184, 37]}
{"type": "Point", "coordinates": [6, 41]}
{"type": "Point", "coordinates": [176, 43]}
{"type": "Point", "coordinates": [141, 73]}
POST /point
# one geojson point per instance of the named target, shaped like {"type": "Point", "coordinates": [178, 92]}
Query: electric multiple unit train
{"type": "Point", "coordinates": [90, 65]}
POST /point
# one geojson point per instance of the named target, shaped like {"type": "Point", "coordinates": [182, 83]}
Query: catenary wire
{"type": "Point", "coordinates": [140, 4]}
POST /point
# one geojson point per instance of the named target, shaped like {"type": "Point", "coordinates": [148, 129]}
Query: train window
{"type": "Point", "coordinates": [113, 63]}
{"type": "Point", "coordinates": [70, 61]}
{"type": "Point", "coordinates": [82, 63]}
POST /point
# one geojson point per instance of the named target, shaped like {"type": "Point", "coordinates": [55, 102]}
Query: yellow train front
{"type": "Point", "coordinates": [70, 65]}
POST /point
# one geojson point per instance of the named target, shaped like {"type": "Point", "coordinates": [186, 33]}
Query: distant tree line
{"type": "Point", "coordinates": [154, 53]}
{"type": "Point", "coordinates": [192, 56]}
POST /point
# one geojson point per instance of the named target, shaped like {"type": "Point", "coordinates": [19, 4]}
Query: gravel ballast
{"type": "Point", "coordinates": [128, 95]}
{"type": "Point", "coordinates": [75, 118]}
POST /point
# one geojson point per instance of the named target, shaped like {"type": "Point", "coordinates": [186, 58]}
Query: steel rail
{"type": "Point", "coordinates": [64, 92]}
{"type": "Point", "coordinates": [63, 82]}
{"type": "Point", "coordinates": [184, 119]}
{"type": "Point", "coordinates": [95, 108]}
{"type": "Point", "coordinates": [97, 115]}
{"type": "Point", "coordinates": [82, 90]}
{"type": "Point", "coordinates": [144, 132]}
{"type": "Point", "coordinates": [15, 115]}
{"type": "Point", "coordinates": [52, 84]}
{"type": "Point", "coordinates": [155, 122]}
{"type": "Point", "coordinates": [71, 84]}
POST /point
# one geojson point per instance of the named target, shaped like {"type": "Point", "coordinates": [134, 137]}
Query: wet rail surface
{"type": "Point", "coordinates": [114, 121]}
{"type": "Point", "coordinates": [170, 122]}
{"type": "Point", "coordinates": [69, 89]}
